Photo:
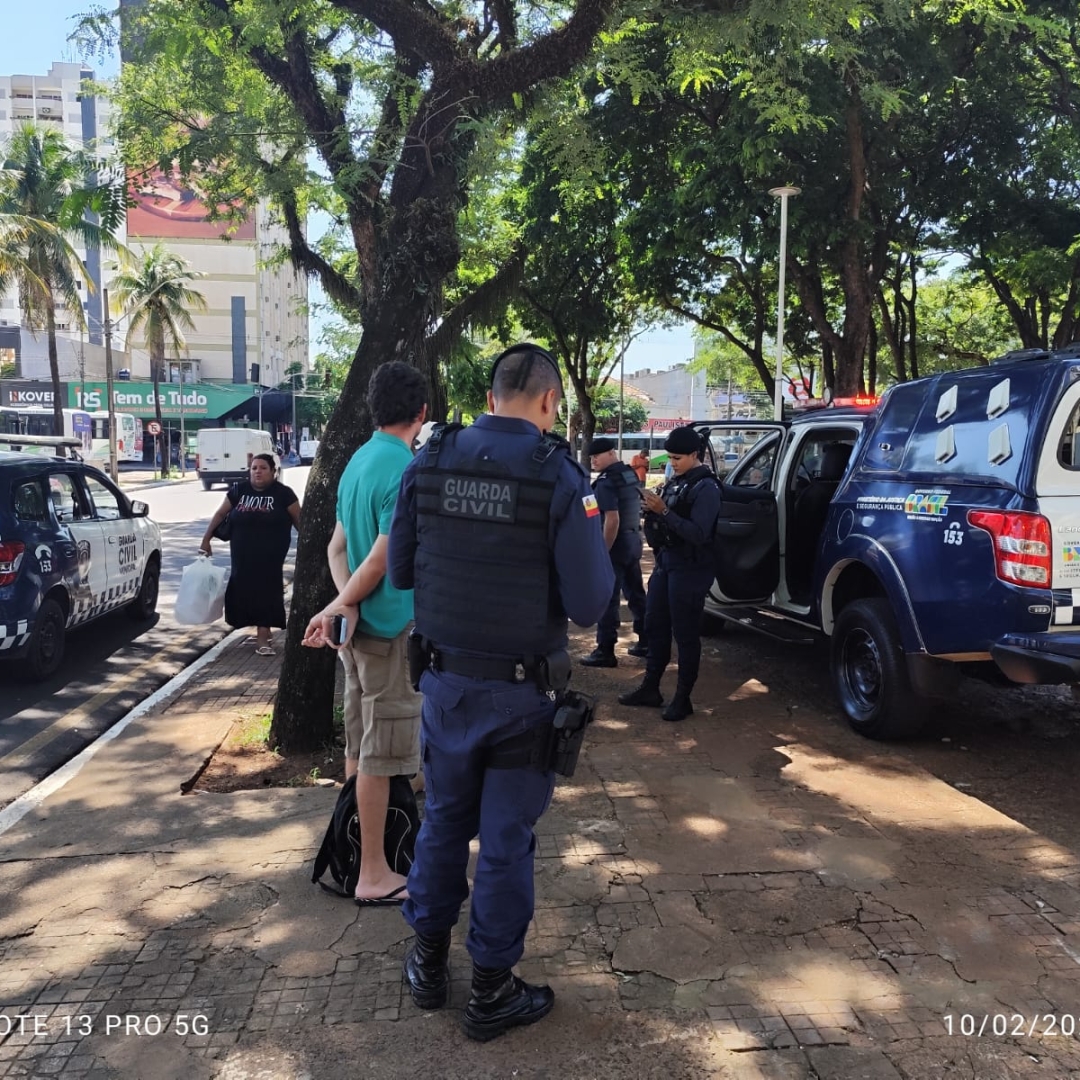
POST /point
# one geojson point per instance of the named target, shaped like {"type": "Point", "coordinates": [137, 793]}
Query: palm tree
{"type": "Point", "coordinates": [154, 292]}
{"type": "Point", "coordinates": [48, 190]}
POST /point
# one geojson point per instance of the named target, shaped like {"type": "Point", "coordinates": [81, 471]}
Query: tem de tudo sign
{"type": "Point", "coordinates": [138, 398]}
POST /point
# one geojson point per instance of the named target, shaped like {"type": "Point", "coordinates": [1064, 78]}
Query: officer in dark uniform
{"type": "Point", "coordinates": [679, 526]}
{"type": "Point", "coordinates": [618, 494]}
{"type": "Point", "coordinates": [499, 535]}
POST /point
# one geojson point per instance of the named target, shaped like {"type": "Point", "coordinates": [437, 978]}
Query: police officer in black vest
{"type": "Point", "coordinates": [679, 526]}
{"type": "Point", "coordinates": [618, 494]}
{"type": "Point", "coordinates": [499, 535]}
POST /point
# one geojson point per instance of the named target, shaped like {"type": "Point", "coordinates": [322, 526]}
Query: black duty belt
{"type": "Point", "coordinates": [484, 667]}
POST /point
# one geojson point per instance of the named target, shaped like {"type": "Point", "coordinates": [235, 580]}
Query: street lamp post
{"type": "Point", "coordinates": [783, 194]}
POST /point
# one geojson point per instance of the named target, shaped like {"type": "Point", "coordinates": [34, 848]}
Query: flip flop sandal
{"type": "Point", "coordinates": [391, 899]}
{"type": "Point", "coordinates": [264, 650]}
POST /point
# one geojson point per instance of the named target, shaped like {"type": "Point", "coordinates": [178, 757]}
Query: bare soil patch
{"type": "Point", "coordinates": [245, 762]}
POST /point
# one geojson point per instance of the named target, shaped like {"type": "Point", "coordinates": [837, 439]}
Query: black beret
{"type": "Point", "coordinates": [684, 440]}
{"type": "Point", "coordinates": [600, 446]}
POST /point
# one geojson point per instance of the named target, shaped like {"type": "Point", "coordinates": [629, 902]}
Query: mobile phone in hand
{"type": "Point", "coordinates": [338, 629]}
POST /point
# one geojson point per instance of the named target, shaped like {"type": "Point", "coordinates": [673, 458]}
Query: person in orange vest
{"type": "Point", "coordinates": [640, 464]}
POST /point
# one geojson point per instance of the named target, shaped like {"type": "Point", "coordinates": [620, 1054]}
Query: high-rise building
{"type": "Point", "coordinates": [56, 101]}
{"type": "Point", "coordinates": [256, 303]}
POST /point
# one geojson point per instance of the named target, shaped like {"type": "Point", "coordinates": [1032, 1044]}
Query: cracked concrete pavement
{"type": "Point", "coordinates": [754, 893]}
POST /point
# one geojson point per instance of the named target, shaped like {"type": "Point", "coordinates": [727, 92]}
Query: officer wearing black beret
{"type": "Point", "coordinates": [618, 494]}
{"type": "Point", "coordinates": [498, 533]}
{"type": "Point", "coordinates": [679, 525]}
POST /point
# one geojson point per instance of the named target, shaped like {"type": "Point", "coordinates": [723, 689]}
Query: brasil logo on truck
{"type": "Point", "coordinates": [932, 504]}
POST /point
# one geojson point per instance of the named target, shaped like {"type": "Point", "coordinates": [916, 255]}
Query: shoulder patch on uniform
{"type": "Point", "coordinates": [590, 504]}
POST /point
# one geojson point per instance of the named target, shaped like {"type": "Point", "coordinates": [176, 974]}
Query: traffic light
{"type": "Point", "coordinates": [254, 373]}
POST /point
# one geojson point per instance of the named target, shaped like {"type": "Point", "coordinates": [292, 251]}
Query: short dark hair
{"type": "Point", "coordinates": [396, 394]}
{"type": "Point", "coordinates": [525, 371]}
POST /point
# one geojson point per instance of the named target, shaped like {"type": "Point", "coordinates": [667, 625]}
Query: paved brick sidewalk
{"type": "Point", "coordinates": [753, 893]}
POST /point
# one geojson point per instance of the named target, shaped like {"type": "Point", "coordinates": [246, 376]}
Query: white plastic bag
{"type": "Point", "coordinates": [201, 598]}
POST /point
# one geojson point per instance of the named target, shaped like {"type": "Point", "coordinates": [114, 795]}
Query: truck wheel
{"type": "Point", "coordinates": [142, 608]}
{"type": "Point", "coordinates": [207, 485]}
{"type": "Point", "coordinates": [45, 652]}
{"type": "Point", "coordinates": [870, 673]}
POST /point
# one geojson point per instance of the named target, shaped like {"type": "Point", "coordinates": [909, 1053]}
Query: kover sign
{"type": "Point", "coordinates": [207, 400]}
{"type": "Point", "coordinates": [33, 395]}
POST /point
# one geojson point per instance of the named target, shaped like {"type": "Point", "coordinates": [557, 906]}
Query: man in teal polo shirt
{"type": "Point", "coordinates": [382, 711]}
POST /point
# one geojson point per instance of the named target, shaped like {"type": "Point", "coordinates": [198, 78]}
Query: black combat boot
{"type": "Point", "coordinates": [648, 693]}
{"type": "Point", "coordinates": [639, 648]}
{"type": "Point", "coordinates": [680, 707]}
{"type": "Point", "coordinates": [600, 657]}
{"type": "Point", "coordinates": [501, 1001]}
{"type": "Point", "coordinates": [427, 971]}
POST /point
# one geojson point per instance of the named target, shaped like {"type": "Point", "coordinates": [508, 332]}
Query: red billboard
{"type": "Point", "coordinates": [165, 208]}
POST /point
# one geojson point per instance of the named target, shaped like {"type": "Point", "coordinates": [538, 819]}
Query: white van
{"type": "Point", "coordinates": [223, 455]}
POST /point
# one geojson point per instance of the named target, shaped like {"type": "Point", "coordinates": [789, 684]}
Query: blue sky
{"type": "Point", "coordinates": [35, 36]}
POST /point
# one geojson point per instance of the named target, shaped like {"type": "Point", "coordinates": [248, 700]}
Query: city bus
{"type": "Point", "coordinates": [129, 437]}
{"type": "Point", "coordinates": [91, 429]}
{"type": "Point", "coordinates": [37, 421]}
{"type": "Point", "coordinates": [651, 442]}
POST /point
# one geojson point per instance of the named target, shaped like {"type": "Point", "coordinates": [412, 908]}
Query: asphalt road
{"type": "Point", "coordinates": [114, 663]}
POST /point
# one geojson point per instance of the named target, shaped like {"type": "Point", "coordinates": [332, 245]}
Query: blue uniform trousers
{"type": "Point", "coordinates": [628, 583]}
{"type": "Point", "coordinates": [675, 605]}
{"type": "Point", "coordinates": [462, 719]}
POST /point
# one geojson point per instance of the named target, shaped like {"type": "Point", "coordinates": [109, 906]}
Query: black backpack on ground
{"type": "Point", "coordinates": [340, 851]}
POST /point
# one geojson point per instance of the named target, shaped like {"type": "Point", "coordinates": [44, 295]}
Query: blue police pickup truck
{"type": "Point", "coordinates": [935, 534]}
{"type": "Point", "coordinates": [73, 547]}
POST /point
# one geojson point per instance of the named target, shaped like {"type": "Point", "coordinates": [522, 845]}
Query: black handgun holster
{"type": "Point", "coordinates": [418, 652]}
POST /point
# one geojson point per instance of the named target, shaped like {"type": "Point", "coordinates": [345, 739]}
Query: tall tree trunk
{"type": "Point", "coordinates": [889, 332]}
{"type": "Point", "coordinates": [855, 282]}
{"type": "Point", "coordinates": [157, 363]}
{"type": "Point", "coordinates": [54, 364]}
{"type": "Point", "coordinates": [304, 709]}
{"type": "Point", "coordinates": [871, 360]}
{"type": "Point", "coordinates": [912, 319]}
{"type": "Point", "coordinates": [1066, 330]}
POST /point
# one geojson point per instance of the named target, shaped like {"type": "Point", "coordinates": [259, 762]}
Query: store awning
{"type": "Point", "coordinates": [276, 409]}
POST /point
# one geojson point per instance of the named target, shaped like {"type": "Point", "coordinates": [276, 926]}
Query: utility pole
{"type": "Point", "coordinates": [293, 447]}
{"type": "Point", "coordinates": [622, 396]}
{"type": "Point", "coordinates": [113, 471]}
{"type": "Point", "coordinates": [183, 437]}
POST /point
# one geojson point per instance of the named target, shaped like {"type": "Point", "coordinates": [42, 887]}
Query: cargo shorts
{"type": "Point", "coordinates": [382, 710]}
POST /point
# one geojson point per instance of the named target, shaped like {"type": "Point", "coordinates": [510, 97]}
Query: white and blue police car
{"type": "Point", "coordinates": [934, 533]}
{"type": "Point", "coordinates": [73, 547]}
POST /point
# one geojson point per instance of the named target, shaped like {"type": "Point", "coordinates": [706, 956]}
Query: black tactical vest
{"type": "Point", "coordinates": [676, 496]}
{"type": "Point", "coordinates": [485, 581]}
{"type": "Point", "coordinates": [627, 487]}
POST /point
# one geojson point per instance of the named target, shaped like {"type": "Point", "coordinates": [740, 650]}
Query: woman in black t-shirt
{"type": "Point", "coordinates": [261, 512]}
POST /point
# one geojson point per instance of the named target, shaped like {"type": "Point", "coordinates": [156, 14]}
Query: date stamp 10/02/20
{"type": "Point", "coordinates": [82, 1024]}
{"type": "Point", "coordinates": [1012, 1025]}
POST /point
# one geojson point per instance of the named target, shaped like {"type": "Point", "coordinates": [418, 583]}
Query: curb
{"type": "Point", "coordinates": [15, 811]}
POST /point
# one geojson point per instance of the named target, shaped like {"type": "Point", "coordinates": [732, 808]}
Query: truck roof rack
{"type": "Point", "coordinates": [1021, 354]}
{"type": "Point", "coordinates": [58, 442]}
{"type": "Point", "coordinates": [1068, 352]}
